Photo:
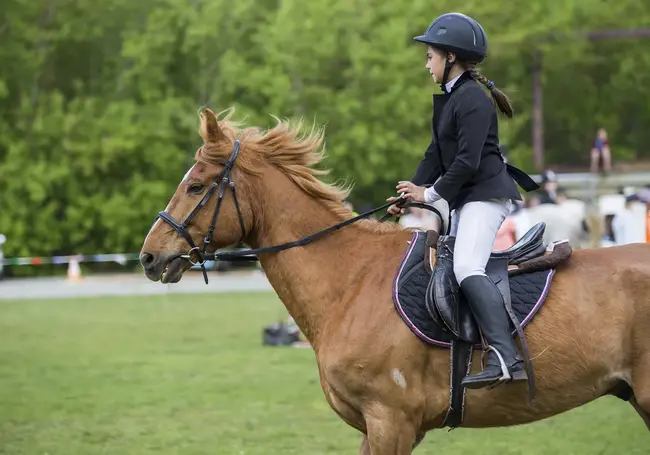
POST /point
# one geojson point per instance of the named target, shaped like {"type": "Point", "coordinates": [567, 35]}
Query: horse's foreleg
{"type": "Point", "coordinates": [365, 446]}
{"type": "Point", "coordinates": [390, 432]}
{"type": "Point", "coordinates": [641, 377]}
{"type": "Point", "coordinates": [645, 415]}
{"type": "Point", "coordinates": [641, 387]}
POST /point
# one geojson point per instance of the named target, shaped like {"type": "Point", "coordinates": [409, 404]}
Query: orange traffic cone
{"type": "Point", "coordinates": [74, 271]}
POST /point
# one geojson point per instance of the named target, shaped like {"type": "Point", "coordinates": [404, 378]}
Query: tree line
{"type": "Point", "coordinates": [99, 100]}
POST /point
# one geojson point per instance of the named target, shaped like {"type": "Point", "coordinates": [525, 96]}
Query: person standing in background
{"type": "Point", "coordinates": [623, 223]}
{"type": "Point", "coordinates": [506, 235]}
{"type": "Point", "coordinates": [548, 193]}
{"type": "Point", "coordinates": [601, 153]}
{"type": "Point", "coordinates": [3, 239]}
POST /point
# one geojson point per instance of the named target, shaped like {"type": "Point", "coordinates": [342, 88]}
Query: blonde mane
{"type": "Point", "coordinates": [295, 154]}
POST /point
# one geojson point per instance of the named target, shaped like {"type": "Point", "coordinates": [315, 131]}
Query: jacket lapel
{"type": "Point", "coordinates": [439, 103]}
{"type": "Point", "coordinates": [440, 100]}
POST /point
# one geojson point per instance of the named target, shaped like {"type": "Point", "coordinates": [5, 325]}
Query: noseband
{"type": "Point", "coordinates": [196, 255]}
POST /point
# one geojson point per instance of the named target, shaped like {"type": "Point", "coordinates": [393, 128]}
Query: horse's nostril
{"type": "Point", "coordinates": [146, 259]}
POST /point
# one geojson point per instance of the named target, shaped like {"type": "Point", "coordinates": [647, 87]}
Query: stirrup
{"type": "Point", "coordinates": [505, 373]}
{"type": "Point", "coordinates": [489, 379]}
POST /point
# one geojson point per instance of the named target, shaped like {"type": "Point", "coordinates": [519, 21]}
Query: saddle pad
{"type": "Point", "coordinates": [528, 293]}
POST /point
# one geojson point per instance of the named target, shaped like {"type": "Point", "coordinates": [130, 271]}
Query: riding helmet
{"type": "Point", "coordinates": [459, 34]}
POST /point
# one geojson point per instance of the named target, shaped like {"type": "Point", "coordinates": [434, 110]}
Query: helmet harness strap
{"type": "Point", "coordinates": [445, 75]}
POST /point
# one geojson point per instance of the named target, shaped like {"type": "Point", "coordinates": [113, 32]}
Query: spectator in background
{"type": "Point", "coordinates": [561, 196]}
{"type": "Point", "coordinates": [644, 194]}
{"type": "Point", "coordinates": [548, 193]}
{"type": "Point", "coordinates": [3, 239]}
{"type": "Point", "coordinates": [623, 223]}
{"type": "Point", "coordinates": [644, 197]}
{"type": "Point", "coordinates": [506, 235]}
{"type": "Point", "coordinates": [420, 218]}
{"type": "Point", "coordinates": [600, 153]}
{"type": "Point", "coordinates": [608, 232]}
{"type": "Point", "coordinates": [531, 201]}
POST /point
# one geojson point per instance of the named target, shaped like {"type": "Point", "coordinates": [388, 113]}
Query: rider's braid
{"type": "Point", "coordinates": [500, 99]}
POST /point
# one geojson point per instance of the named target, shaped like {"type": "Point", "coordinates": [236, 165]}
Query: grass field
{"type": "Point", "coordinates": [188, 375]}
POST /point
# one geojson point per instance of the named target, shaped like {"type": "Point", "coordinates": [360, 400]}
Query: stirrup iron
{"type": "Point", "coordinates": [505, 373]}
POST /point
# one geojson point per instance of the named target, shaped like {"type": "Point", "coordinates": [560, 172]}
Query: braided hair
{"type": "Point", "coordinates": [499, 98]}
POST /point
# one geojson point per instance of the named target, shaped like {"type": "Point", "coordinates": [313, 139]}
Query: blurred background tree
{"type": "Point", "coordinates": [99, 100]}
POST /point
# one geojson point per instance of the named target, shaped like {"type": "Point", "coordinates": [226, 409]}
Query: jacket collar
{"type": "Point", "coordinates": [464, 77]}
{"type": "Point", "coordinates": [440, 99]}
{"type": "Point", "coordinates": [450, 84]}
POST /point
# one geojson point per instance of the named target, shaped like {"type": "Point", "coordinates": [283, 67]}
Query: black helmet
{"type": "Point", "coordinates": [457, 33]}
{"type": "Point", "coordinates": [549, 176]}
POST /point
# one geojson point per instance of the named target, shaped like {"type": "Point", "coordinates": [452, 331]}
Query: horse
{"type": "Point", "coordinates": [590, 338]}
{"type": "Point", "coordinates": [571, 219]}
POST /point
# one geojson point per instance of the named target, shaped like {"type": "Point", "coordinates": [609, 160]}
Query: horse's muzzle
{"type": "Point", "coordinates": [158, 266]}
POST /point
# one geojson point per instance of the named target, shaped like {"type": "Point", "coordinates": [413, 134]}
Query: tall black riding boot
{"type": "Point", "coordinates": [504, 363]}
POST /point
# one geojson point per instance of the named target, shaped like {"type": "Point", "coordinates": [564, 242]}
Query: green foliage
{"type": "Point", "coordinates": [98, 100]}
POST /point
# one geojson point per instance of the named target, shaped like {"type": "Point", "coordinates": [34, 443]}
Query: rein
{"type": "Point", "coordinates": [197, 255]}
{"type": "Point", "coordinates": [250, 254]}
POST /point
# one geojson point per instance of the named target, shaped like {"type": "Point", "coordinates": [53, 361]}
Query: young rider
{"type": "Point", "coordinates": [464, 166]}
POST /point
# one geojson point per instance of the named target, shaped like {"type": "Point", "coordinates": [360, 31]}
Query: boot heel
{"type": "Point", "coordinates": [519, 375]}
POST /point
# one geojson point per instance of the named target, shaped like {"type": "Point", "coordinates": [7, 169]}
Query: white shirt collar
{"type": "Point", "coordinates": [451, 83]}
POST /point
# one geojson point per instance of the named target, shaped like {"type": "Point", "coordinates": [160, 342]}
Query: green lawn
{"type": "Point", "coordinates": [188, 375]}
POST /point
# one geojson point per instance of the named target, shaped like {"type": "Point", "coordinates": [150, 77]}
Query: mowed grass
{"type": "Point", "coordinates": [188, 375]}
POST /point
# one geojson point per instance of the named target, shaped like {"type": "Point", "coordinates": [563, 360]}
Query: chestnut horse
{"type": "Point", "coordinates": [591, 338]}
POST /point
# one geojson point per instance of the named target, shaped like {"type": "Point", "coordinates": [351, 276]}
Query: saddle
{"type": "Point", "coordinates": [443, 296]}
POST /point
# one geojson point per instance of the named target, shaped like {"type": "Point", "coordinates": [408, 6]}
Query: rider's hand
{"type": "Point", "coordinates": [411, 191]}
{"type": "Point", "coordinates": [393, 209]}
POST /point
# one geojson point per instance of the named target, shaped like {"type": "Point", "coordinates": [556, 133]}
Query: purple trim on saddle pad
{"type": "Point", "coordinates": [542, 298]}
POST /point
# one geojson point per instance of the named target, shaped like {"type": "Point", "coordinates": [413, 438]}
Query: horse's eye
{"type": "Point", "coordinates": [196, 188]}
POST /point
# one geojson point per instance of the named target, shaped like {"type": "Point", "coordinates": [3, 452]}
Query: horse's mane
{"type": "Point", "coordinates": [295, 154]}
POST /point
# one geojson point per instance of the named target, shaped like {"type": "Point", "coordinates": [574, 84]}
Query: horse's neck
{"type": "Point", "coordinates": [310, 280]}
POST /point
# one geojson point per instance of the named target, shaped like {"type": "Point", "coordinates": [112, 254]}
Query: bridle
{"type": "Point", "coordinates": [198, 256]}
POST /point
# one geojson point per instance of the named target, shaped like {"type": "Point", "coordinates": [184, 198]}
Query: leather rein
{"type": "Point", "coordinates": [199, 255]}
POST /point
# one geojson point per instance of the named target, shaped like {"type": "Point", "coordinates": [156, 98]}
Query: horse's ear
{"type": "Point", "coordinates": [209, 130]}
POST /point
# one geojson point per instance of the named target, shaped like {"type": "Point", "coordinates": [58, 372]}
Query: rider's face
{"type": "Point", "coordinates": [435, 63]}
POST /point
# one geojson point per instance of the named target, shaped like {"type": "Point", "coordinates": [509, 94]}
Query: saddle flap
{"type": "Point", "coordinates": [444, 298]}
{"type": "Point", "coordinates": [468, 329]}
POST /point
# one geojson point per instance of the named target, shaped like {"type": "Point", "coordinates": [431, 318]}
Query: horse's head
{"type": "Point", "coordinates": [207, 211]}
